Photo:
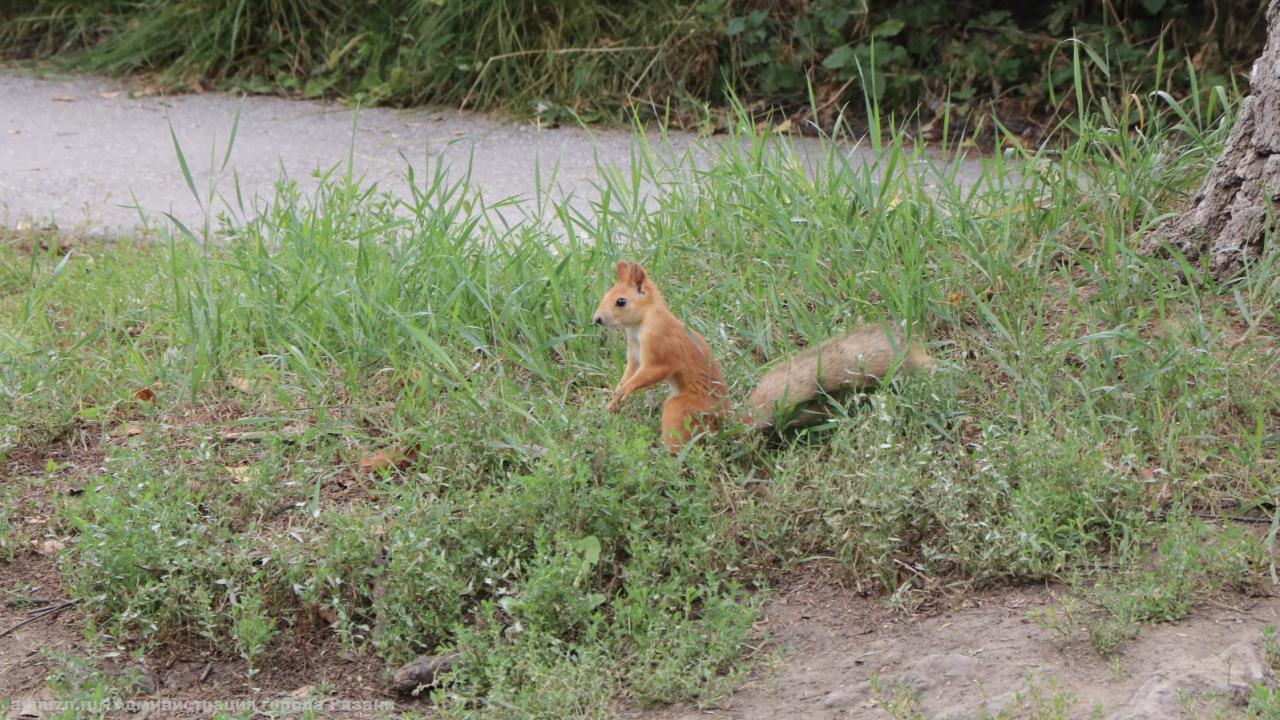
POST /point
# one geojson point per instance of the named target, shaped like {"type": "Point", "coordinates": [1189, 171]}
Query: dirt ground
{"type": "Point", "coordinates": [986, 656]}
{"type": "Point", "coordinates": [821, 648]}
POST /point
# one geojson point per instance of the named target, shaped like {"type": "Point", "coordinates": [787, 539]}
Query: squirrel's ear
{"type": "Point", "coordinates": [624, 270]}
{"type": "Point", "coordinates": [637, 277]}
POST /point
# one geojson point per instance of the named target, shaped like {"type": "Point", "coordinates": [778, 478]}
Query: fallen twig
{"type": "Point", "coordinates": [1255, 519]}
{"type": "Point", "coordinates": [41, 613]}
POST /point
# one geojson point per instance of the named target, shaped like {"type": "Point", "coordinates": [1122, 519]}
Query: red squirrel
{"type": "Point", "coordinates": [660, 348]}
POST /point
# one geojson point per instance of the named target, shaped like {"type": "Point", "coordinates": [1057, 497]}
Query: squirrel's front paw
{"type": "Point", "coordinates": [615, 403]}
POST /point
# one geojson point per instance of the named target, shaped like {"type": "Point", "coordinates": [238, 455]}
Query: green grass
{"type": "Point", "coordinates": [1083, 393]}
{"type": "Point", "coordinates": [1185, 563]}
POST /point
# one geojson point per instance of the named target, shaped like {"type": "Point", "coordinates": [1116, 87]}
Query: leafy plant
{"type": "Point", "coordinates": [590, 60]}
{"type": "Point", "coordinates": [1156, 585]}
{"type": "Point", "coordinates": [251, 629]}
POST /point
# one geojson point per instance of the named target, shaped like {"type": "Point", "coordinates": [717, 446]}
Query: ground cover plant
{"type": "Point", "coordinates": [679, 61]}
{"type": "Point", "coordinates": [381, 420]}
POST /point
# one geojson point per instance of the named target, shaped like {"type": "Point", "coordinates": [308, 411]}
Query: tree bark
{"type": "Point", "coordinates": [1230, 213]}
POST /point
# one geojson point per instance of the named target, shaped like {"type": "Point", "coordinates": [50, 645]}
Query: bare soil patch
{"type": "Point", "coordinates": [30, 586]}
{"type": "Point", "coordinates": [984, 655]}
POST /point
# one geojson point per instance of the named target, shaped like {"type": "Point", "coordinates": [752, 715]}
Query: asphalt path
{"type": "Point", "coordinates": [93, 155]}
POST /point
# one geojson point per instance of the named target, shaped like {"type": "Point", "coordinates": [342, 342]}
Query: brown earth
{"type": "Point", "coordinates": [985, 656]}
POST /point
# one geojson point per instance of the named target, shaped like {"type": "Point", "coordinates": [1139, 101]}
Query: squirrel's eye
{"type": "Point", "coordinates": [621, 302]}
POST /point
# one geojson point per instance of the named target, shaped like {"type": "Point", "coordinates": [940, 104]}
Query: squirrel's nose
{"type": "Point", "coordinates": [597, 320]}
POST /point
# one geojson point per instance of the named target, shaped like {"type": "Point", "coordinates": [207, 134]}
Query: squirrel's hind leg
{"type": "Point", "coordinates": [683, 417]}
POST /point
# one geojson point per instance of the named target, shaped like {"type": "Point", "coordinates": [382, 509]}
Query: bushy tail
{"type": "Point", "coordinates": [793, 392]}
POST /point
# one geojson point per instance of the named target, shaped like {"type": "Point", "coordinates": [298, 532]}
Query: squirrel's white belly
{"type": "Point", "coordinates": [633, 346]}
{"type": "Point", "coordinates": [634, 355]}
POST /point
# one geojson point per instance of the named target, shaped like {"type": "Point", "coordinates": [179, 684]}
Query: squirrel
{"type": "Point", "coordinates": [791, 394]}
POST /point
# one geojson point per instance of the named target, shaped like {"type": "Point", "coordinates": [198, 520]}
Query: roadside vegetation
{"type": "Point", "coordinates": [680, 61]}
{"type": "Point", "coordinates": [380, 421]}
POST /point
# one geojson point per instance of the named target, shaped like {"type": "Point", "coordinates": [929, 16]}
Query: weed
{"type": "Point", "coordinates": [1271, 647]}
{"type": "Point", "coordinates": [671, 60]}
{"type": "Point", "coordinates": [1217, 706]}
{"type": "Point", "coordinates": [1264, 702]}
{"type": "Point", "coordinates": [80, 690]}
{"type": "Point", "coordinates": [1116, 666]}
{"type": "Point", "coordinates": [1062, 621]}
{"type": "Point", "coordinates": [9, 540]}
{"type": "Point", "coordinates": [898, 700]}
{"type": "Point", "coordinates": [251, 629]}
{"type": "Point", "coordinates": [1156, 584]}
{"type": "Point", "coordinates": [1043, 699]}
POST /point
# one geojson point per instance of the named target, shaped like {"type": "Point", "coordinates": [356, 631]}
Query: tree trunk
{"type": "Point", "coordinates": [1230, 212]}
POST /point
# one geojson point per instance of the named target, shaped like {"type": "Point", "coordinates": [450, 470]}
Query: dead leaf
{"type": "Point", "coordinates": [783, 127]}
{"type": "Point", "coordinates": [328, 615]}
{"type": "Point", "coordinates": [387, 460]}
{"type": "Point", "coordinates": [301, 692]}
{"type": "Point", "coordinates": [1146, 474]}
{"type": "Point", "coordinates": [240, 384]}
{"type": "Point", "coordinates": [48, 546]}
{"type": "Point", "coordinates": [62, 98]}
{"type": "Point", "coordinates": [379, 461]}
{"type": "Point", "coordinates": [15, 131]}
{"type": "Point", "coordinates": [240, 473]}
{"type": "Point", "coordinates": [109, 95]}
{"type": "Point", "coordinates": [130, 429]}
{"type": "Point", "coordinates": [289, 433]}
{"type": "Point", "coordinates": [1159, 494]}
{"type": "Point", "coordinates": [63, 247]}
{"type": "Point", "coordinates": [145, 395]}
{"type": "Point", "coordinates": [29, 708]}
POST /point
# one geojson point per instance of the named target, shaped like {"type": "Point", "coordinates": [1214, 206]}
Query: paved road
{"type": "Point", "coordinates": [80, 150]}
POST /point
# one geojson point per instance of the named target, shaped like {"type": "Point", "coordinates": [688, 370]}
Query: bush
{"type": "Point", "coordinates": [593, 59]}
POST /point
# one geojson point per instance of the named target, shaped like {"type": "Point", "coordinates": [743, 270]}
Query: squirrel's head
{"type": "Point", "coordinates": [626, 303]}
